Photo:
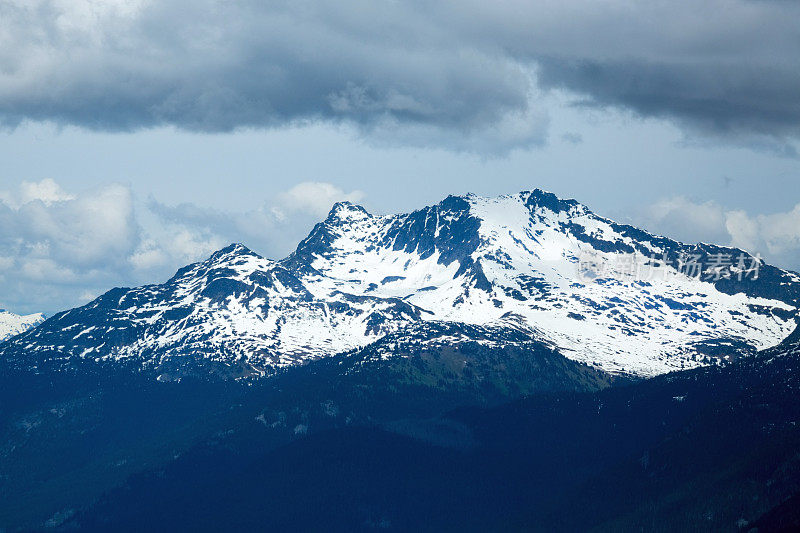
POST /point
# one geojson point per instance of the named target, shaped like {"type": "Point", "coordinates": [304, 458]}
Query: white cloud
{"type": "Point", "coordinates": [775, 236]}
{"type": "Point", "coordinates": [173, 245]}
{"type": "Point", "coordinates": [82, 230]}
{"type": "Point", "coordinates": [312, 197]}
{"type": "Point", "coordinates": [45, 229]}
{"type": "Point", "coordinates": [781, 231]}
{"type": "Point", "coordinates": [687, 220]}
{"type": "Point", "coordinates": [46, 191]}
{"type": "Point", "coordinates": [56, 244]}
{"type": "Point", "coordinates": [88, 296]}
{"type": "Point", "coordinates": [181, 232]}
{"type": "Point", "coordinates": [45, 270]}
{"type": "Point", "coordinates": [743, 230]}
{"type": "Point", "coordinates": [148, 256]}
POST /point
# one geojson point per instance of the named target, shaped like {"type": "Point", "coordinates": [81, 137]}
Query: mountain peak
{"type": "Point", "coordinates": [347, 211]}
{"type": "Point", "coordinates": [457, 202]}
{"type": "Point", "coordinates": [541, 198]}
{"type": "Point", "coordinates": [233, 253]}
{"type": "Point", "coordinates": [233, 249]}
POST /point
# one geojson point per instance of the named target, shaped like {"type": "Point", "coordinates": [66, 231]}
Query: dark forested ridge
{"type": "Point", "coordinates": [714, 449]}
{"type": "Point", "coordinates": [70, 436]}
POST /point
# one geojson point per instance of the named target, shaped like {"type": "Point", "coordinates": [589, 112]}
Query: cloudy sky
{"type": "Point", "coordinates": [139, 135]}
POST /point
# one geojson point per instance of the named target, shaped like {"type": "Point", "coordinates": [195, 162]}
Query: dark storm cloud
{"type": "Point", "coordinates": [459, 74]}
{"type": "Point", "coordinates": [724, 68]}
{"type": "Point", "coordinates": [216, 66]}
{"type": "Point", "coordinates": [716, 99]}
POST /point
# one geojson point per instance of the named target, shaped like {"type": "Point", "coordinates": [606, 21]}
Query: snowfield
{"type": "Point", "coordinates": [11, 324]}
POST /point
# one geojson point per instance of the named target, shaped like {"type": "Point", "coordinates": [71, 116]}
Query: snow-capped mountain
{"type": "Point", "coordinates": [606, 294]}
{"type": "Point", "coordinates": [11, 324]}
{"type": "Point", "coordinates": [236, 309]}
{"type": "Point", "coordinates": [555, 269]}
